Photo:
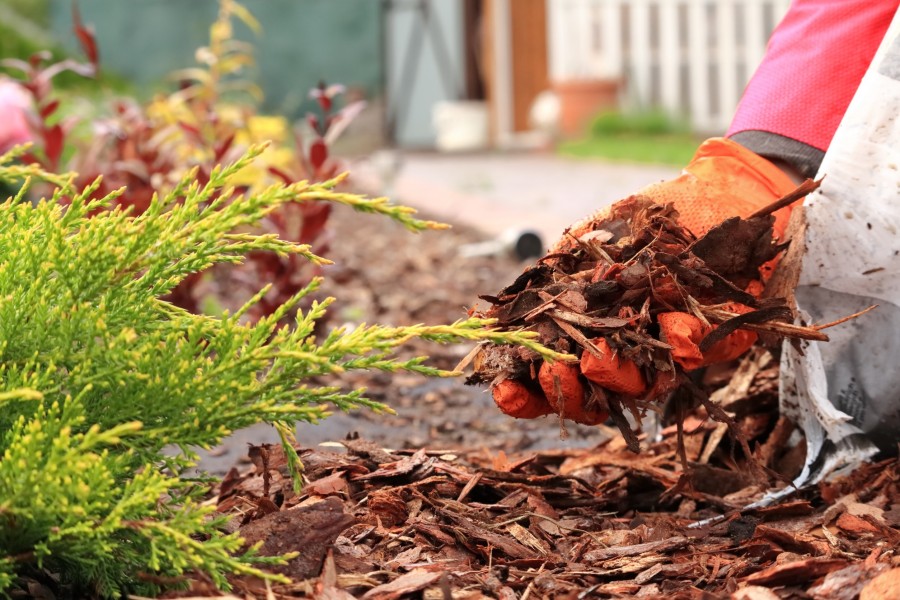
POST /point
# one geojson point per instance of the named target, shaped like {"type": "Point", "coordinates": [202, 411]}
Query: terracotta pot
{"type": "Point", "coordinates": [580, 100]}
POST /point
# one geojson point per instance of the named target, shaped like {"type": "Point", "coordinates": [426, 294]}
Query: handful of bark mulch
{"type": "Point", "coordinates": [640, 287]}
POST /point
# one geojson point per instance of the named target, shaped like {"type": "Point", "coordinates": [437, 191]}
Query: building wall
{"type": "Point", "coordinates": [302, 42]}
{"type": "Point", "coordinates": [420, 76]}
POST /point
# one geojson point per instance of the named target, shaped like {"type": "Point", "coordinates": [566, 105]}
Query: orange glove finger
{"type": "Point", "coordinates": [517, 400]}
{"type": "Point", "coordinates": [731, 347]}
{"type": "Point", "coordinates": [564, 391]}
{"type": "Point", "coordinates": [612, 371]}
{"type": "Point", "coordinates": [684, 332]}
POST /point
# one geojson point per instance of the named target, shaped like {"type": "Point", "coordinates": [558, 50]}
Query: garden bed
{"type": "Point", "coordinates": [451, 499]}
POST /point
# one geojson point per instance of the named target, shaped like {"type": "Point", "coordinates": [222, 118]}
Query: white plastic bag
{"type": "Point", "coordinates": [845, 394]}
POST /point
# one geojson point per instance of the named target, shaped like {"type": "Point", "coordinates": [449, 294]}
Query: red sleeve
{"type": "Point", "coordinates": [814, 62]}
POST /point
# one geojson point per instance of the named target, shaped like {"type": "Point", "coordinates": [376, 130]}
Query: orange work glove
{"type": "Point", "coordinates": [723, 180]}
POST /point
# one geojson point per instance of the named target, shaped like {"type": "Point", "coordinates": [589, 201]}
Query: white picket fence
{"type": "Point", "coordinates": [689, 57]}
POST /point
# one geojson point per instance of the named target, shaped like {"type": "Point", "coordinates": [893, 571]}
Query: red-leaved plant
{"type": "Point", "coordinates": [147, 147]}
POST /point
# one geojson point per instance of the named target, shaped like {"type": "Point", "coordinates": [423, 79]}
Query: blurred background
{"type": "Point", "coordinates": [462, 96]}
{"type": "Point", "coordinates": [508, 114]}
{"type": "Point", "coordinates": [507, 59]}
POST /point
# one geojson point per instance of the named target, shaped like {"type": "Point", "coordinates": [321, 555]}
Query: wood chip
{"type": "Point", "coordinates": [795, 573]}
{"type": "Point", "coordinates": [674, 543]}
{"type": "Point", "coordinates": [883, 587]}
{"type": "Point", "coordinates": [414, 581]}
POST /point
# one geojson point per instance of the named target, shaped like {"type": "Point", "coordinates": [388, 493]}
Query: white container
{"type": "Point", "coordinates": [461, 126]}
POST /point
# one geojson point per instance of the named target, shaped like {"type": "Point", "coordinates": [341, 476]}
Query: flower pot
{"type": "Point", "coordinates": [580, 100]}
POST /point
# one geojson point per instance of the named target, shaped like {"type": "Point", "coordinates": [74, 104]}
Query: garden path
{"type": "Point", "coordinates": [495, 192]}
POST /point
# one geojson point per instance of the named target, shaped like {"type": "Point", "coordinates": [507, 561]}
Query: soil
{"type": "Point", "coordinates": [384, 274]}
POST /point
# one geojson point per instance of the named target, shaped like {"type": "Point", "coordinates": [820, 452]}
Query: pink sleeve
{"type": "Point", "coordinates": [813, 65]}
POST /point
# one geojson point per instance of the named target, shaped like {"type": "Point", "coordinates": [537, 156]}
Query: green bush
{"type": "Point", "coordinates": [98, 374]}
{"type": "Point", "coordinates": [644, 123]}
{"type": "Point", "coordinates": [646, 137]}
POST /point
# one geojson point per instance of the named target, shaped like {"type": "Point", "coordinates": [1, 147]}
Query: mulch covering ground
{"type": "Point", "coordinates": [601, 522]}
{"type": "Point", "coordinates": [471, 520]}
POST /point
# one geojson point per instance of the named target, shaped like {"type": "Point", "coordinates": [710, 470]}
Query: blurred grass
{"type": "Point", "coordinates": [37, 11]}
{"type": "Point", "coordinates": [649, 137]}
{"type": "Point", "coordinates": [24, 31]}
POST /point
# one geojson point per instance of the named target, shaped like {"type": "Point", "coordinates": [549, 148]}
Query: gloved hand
{"type": "Point", "coordinates": [723, 180]}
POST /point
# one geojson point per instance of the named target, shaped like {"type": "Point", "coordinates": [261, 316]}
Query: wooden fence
{"type": "Point", "coordinates": [689, 57]}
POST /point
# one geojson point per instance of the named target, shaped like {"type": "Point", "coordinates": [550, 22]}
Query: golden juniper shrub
{"type": "Point", "coordinates": [98, 374]}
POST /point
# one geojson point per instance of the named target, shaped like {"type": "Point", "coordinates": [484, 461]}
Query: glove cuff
{"type": "Point", "coordinates": [802, 157]}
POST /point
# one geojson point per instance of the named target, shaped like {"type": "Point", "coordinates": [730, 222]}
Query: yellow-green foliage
{"type": "Point", "coordinates": [97, 375]}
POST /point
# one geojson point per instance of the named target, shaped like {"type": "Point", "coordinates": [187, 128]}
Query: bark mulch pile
{"type": "Point", "coordinates": [603, 522]}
